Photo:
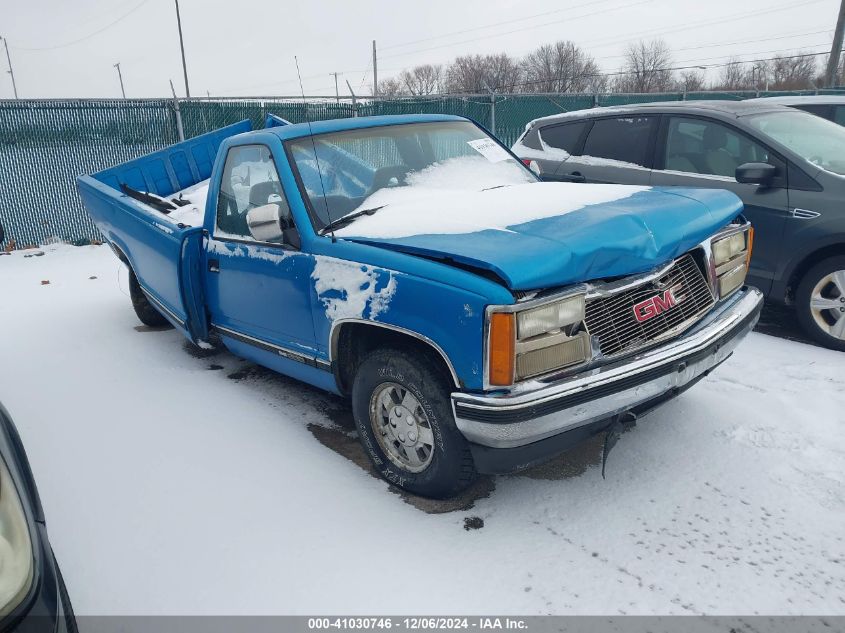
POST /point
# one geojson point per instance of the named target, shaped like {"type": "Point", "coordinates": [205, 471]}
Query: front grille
{"type": "Point", "coordinates": [612, 319]}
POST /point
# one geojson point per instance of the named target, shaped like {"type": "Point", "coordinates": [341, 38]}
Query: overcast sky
{"type": "Point", "coordinates": [67, 48]}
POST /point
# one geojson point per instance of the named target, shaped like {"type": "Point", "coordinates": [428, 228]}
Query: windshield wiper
{"type": "Point", "coordinates": [348, 219]}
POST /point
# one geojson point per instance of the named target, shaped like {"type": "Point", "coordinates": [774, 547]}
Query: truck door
{"type": "Point", "coordinates": [258, 292]}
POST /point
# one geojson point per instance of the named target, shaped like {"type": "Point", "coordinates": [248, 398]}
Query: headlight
{"type": "Point", "coordinates": [728, 248]}
{"type": "Point", "coordinates": [731, 256]}
{"type": "Point", "coordinates": [15, 545]}
{"type": "Point", "coordinates": [536, 341]}
{"type": "Point", "coordinates": [550, 318]}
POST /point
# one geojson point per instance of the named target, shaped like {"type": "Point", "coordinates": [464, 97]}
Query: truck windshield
{"type": "Point", "coordinates": [815, 139]}
{"type": "Point", "coordinates": [363, 170]}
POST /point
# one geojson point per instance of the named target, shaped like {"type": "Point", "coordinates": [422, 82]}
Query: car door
{"type": "Point", "coordinates": [701, 152]}
{"type": "Point", "coordinates": [257, 289]}
{"type": "Point", "coordinates": [557, 142]}
{"type": "Point", "coordinates": [616, 149]}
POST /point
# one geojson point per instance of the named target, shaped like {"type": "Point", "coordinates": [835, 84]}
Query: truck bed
{"type": "Point", "coordinates": [160, 249]}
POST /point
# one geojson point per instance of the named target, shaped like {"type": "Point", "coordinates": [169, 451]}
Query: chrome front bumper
{"type": "Point", "coordinates": [543, 410]}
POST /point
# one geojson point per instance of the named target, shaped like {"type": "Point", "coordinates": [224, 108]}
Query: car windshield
{"type": "Point", "coordinates": [815, 139]}
{"type": "Point", "coordinates": [361, 171]}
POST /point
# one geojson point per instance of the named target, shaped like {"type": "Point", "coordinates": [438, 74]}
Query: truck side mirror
{"type": "Point", "coordinates": [756, 173]}
{"type": "Point", "coordinates": [273, 222]}
{"type": "Point", "coordinates": [265, 223]}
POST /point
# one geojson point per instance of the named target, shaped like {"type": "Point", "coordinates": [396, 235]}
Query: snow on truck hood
{"type": "Point", "coordinates": [546, 234]}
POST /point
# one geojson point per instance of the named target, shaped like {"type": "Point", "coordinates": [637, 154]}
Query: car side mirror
{"type": "Point", "coordinates": [756, 173]}
{"type": "Point", "coordinates": [265, 223]}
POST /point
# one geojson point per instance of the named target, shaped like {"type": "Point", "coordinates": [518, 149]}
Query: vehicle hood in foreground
{"type": "Point", "coordinates": [546, 234]}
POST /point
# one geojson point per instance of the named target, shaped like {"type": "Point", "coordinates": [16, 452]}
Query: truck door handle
{"type": "Point", "coordinates": [576, 176]}
{"type": "Point", "coordinates": [214, 265]}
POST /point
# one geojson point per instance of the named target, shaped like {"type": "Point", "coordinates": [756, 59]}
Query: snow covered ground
{"type": "Point", "coordinates": [186, 485]}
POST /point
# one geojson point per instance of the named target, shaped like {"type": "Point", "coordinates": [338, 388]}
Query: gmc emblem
{"type": "Point", "coordinates": [653, 306]}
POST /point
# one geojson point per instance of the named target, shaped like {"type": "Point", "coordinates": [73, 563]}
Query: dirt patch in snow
{"type": "Point", "coordinates": [344, 441]}
{"type": "Point", "coordinates": [572, 463]}
{"type": "Point", "coordinates": [147, 328]}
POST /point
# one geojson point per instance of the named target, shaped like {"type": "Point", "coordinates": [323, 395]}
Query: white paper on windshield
{"type": "Point", "coordinates": [489, 149]}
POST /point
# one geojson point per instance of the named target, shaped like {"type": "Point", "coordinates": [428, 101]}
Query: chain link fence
{"type": "Point", "coordinates": [45, 144]}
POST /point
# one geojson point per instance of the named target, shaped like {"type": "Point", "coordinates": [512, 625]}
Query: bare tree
{"type": "Point", "coordinates": [793, 72]}
{"type": "Point", "coordinates": [560, 67]}
{"type": "Point", "coordinates": [646, 68]}
{"type": "Point", "coordinates": [736, 75]}
{"type": "Point", "coordinates": [691, 81]}
{"type": "Point", "coordinates": [422, 80]}
{"type": "Point", "coordinates": [390, 88]}
{"type": "Point", "coordinates": [503, 72]}
{"type": "Point", "coordinates": [480, 73]}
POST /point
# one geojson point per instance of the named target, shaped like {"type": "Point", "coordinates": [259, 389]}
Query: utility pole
{"type": "Point", "coordinates": [835, 49]}
{"type": "Point", "coordinates": [182, 46]}
{"type": "Point", "coordinates": [10, 71]}
{"type": "Point", "coordinates": [336, 93]}
{"type": "Point", "coordinates": [375, 70]}
{"type": "Point", "coordinates": [120, 76]}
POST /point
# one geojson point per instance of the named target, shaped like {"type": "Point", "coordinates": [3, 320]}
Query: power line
{"type": "Point", "coordinates": [481, 28]}
{"type": "Point", "coordinates": [527, 28]}
{"type": "Point", "coordinates": [86, 37]}
{"type": "Point", "coordinates": [611, 41]}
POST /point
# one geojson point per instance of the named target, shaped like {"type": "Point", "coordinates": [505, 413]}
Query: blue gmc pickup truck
{"type": "Point", "coordinates": [479, 320]}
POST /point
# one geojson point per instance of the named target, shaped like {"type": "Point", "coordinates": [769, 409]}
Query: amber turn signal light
{"type": "Point", "coordinates": [502, 352]}
{"type": "Point", "coordinates": [749, 246]}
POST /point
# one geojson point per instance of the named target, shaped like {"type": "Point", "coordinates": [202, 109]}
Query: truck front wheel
{"type": "Point", "coordinates": [404, 418]}
{"type": "Point", "coordinates": [143, 308]}
{"type": "Point", "coordinates": [820, 302]}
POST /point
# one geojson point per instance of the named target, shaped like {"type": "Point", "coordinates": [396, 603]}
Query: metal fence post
{"type": "Point", "coordinates": [180, 131]}
{"type": "Point", "coordinates": [493, 112]}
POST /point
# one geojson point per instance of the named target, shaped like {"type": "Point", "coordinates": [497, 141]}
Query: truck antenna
{"type": "Point", "coordinates": [314, 146]}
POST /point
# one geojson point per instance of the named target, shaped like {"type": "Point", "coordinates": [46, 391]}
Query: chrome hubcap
{"type": "Point", "coordinates": [827, 304]}
{"type": "Point", "coordinates": [401, 427]}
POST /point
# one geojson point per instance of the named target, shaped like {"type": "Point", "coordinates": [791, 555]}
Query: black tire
{"type": "Point", "coordinates": [147, 314]}
{"type": "Point", "coordinates": [451, 468]}
{"type": "Point", "coordinates": [803, 295]}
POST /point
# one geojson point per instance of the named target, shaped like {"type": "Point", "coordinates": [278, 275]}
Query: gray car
{"type": "Point", "coordinates": [788, 167]}
{"type": "Point", "coordinates": [830, 107]}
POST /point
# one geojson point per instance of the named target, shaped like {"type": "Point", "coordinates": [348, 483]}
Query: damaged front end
{"type": "Point", "coordinates": [565, 365]}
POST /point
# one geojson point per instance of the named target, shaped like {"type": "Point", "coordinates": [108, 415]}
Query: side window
{"type": "Point", "coordinates": [250, 180]}
{"type": "Point", "coordinates": [839, 114]}
{"type": "Point", "coordinates": [563, 137]}
{"type": "Point", "coordinates": [819, 110]}
{"type": "Point", "coordinates": [709, 148]}
{"type": "Point", "coordinates": [532, 140]}
{"type": "Point", "coordinates": [624, 139]}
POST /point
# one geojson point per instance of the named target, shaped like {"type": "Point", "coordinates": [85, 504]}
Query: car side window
{"type": "Point", "coordinates": [563, 137]}
{"type": "Point", "coordinates": [839, 114]}
{"type": "Point", "coordinates": [705, 147]}
{"type": "Point", "coordinates": [622, 139]}
{"type": "Point", "coordinates": [250, 180]}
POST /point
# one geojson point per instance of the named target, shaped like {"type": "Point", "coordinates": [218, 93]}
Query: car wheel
{"type": "Point", "coordinates": [403, 413]}
{"type": "Point", "coordinates": [820, 300]}
{"type": "Point", "coordinates": [143, 308]}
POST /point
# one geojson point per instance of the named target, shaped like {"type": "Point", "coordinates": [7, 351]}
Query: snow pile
{"type": "Point", "coordinates": [192, 214]}
{"type": "Point", "coordinates": [468, 173]}
{"type": "Point", "coordinates": [425, 210]}
{"type": "Point", "coordinates": [346, 289]}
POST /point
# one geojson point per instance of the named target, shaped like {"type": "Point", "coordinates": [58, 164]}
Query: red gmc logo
{"type": "Point", "coordinates": [653, 306]}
